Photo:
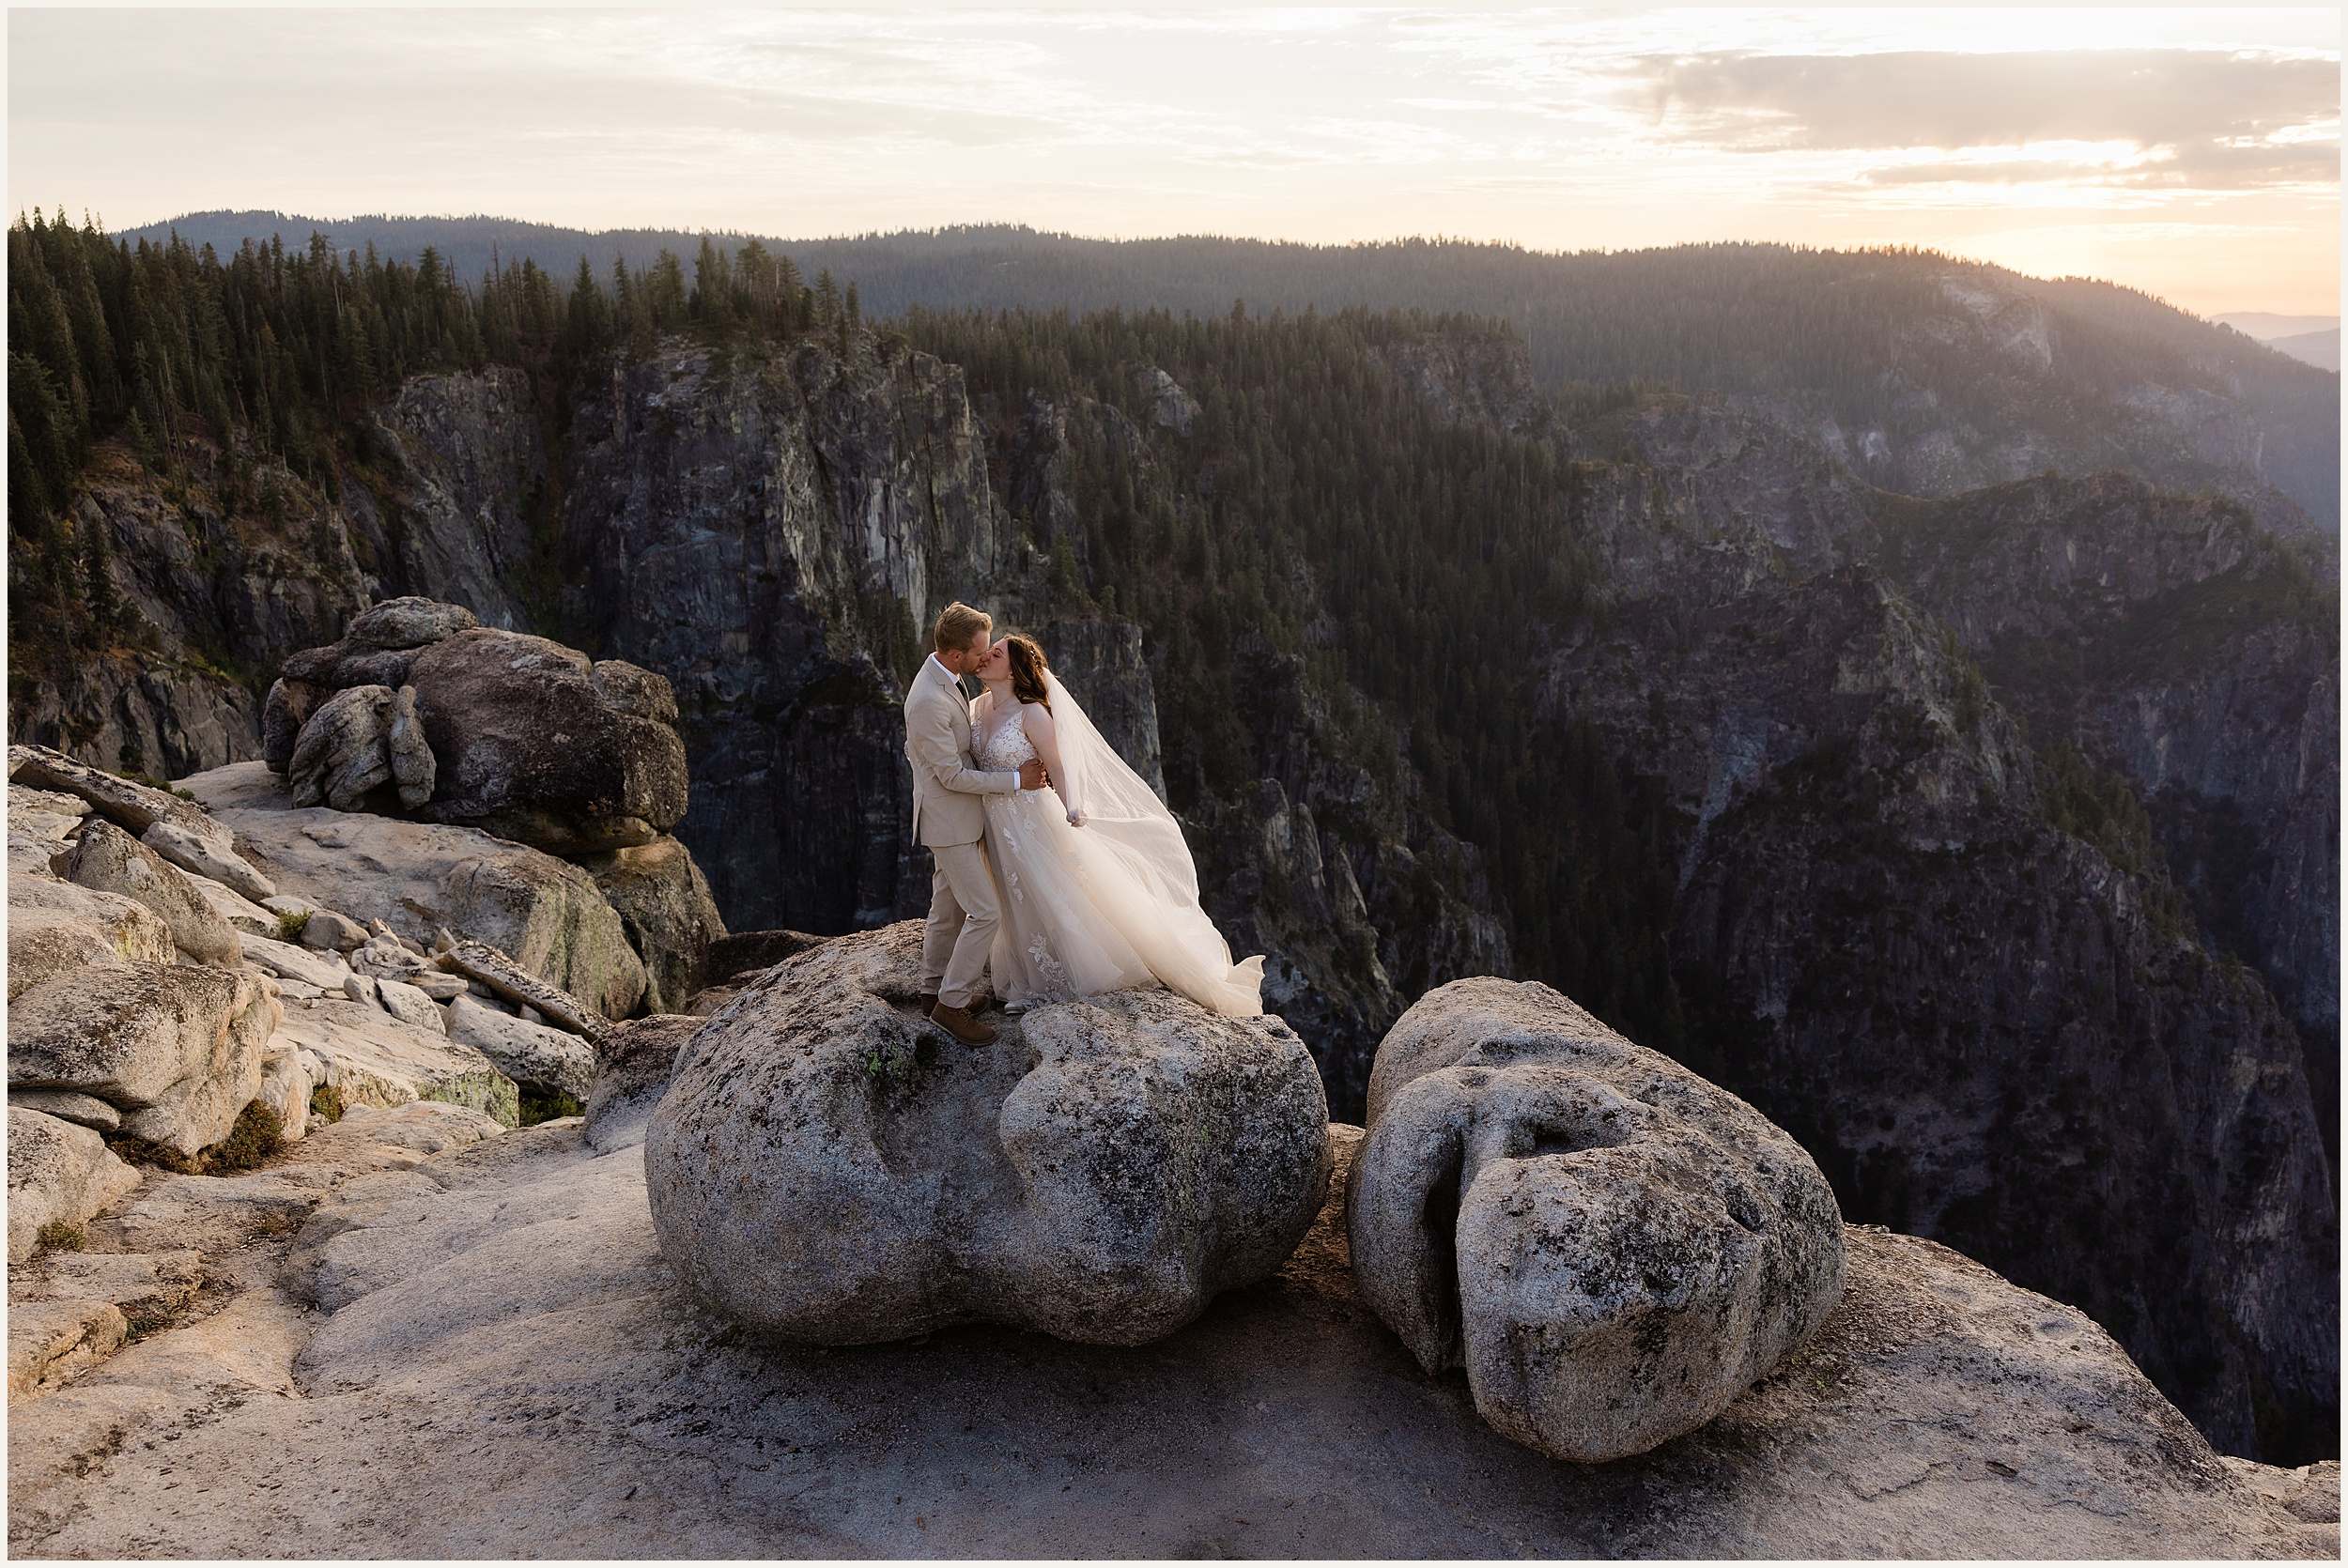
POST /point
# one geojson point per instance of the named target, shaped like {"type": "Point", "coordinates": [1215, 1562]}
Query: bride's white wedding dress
{"type": "Point", "coordinates": [1106, 905]}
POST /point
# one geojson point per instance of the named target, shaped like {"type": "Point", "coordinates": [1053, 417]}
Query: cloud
{"type": "Point", "coordinates": [1919, 99]}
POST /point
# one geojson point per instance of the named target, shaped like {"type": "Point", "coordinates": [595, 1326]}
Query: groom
{"type": "Point", "coordinates": [949, 817]}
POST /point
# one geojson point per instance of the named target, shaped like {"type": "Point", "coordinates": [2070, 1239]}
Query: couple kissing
{"type": "Point", "coordinates": [1058, 869]}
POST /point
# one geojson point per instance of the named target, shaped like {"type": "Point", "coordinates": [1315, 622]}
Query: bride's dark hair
{"type": "Point", "coordinates": [1027, 668]}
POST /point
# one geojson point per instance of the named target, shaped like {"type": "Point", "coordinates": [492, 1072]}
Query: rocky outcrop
{"type": "Point", "coordinates": [480, 1288]}
{"type": "Point", "coordinates": [514, 734]}
{"type": "Point", "coordinates": [827, 1167]}
{"type": "Point", "coordinates": [176, 1048]}
{"type": "Point", "coordinates": [58, 1174]}
{"type": "Point", "coordinates": [419, 878]}
{"type": "Point", "coordinates": [1612, 1248]}
{"type": "Point", "coordinates": [539, 744]}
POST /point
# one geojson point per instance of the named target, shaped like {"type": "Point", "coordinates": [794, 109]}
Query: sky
{"type": "Point", "coordinates": [2190, 152]}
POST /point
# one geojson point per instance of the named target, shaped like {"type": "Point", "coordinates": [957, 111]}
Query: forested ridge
{"type": "Point", "coordinates": [1926, 350]}
{"type": "Point", "coordinates": [275, 356]}
{"type": "Point", "coordinates": [1337, 522]}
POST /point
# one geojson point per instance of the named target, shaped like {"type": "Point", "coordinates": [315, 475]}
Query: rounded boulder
{"type": "Point", "coordinates": [1614, 1247]}
{"type": "Point", "coordinates": [830, 1167]}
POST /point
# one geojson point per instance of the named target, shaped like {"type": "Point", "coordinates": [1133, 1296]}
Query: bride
{"type": "Point", "coordinates": [1098, 890]}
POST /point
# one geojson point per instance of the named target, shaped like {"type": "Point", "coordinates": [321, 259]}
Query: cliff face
{"type": "Point", "coordinates": [2173, 640]}
{"type": "Point", "coordinates": [775, 534]}
{"type": "Point", "coordinates": [1986, 1029]}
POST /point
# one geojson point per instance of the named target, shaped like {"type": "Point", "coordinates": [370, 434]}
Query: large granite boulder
{"type": "Point", "coordinates": [57, 1174]}
{"type": "Point", "coordinates": [109, 860]}
{"type": "Point", "coordinates": [1614, 1247]}
{"type": "Point", "coordinates": [177, 1048]}
{"type": "Point", "coordinates": [830, 1167]}
{"type": "Point", "coordinates": [536, 741]}
{"type": "Point", "coordinates": [419, 878]}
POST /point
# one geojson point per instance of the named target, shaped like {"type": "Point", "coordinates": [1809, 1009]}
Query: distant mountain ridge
{"type": "Point", "coordinates": [2320, 349]}
{"type": "Point", "coordinates": [1927, 375]}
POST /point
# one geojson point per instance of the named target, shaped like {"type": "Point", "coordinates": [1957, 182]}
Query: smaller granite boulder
{"type": "Point", "coordinates": [66, 1106]}
{"type": "Point", "coordinates": [410, 1006]}
{"type": "Point", "coordinates": [57, 1174]}
{"type": "Point", "coordinates": [330, 933]}
{"type": "Point", "coordinates": [828, 1167]}
{"type": "Point", "coordinates": [207, 855]}
{"type": "Point", "coordinates": [530, 1054]}
{"type": "Point", "coordinates": [1614, 1247]}
{"type": "Point", "coordinates": [176, 1048]}
{"type": "Point", "coordinates": [111, 861]}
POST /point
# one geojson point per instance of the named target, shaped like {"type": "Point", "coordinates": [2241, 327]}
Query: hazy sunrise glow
{"type": "Point", "coordinates": [2193, 153]}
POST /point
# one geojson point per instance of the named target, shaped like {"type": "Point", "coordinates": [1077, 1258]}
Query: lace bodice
{"type": "Point", "coordinates": [1007, 746]}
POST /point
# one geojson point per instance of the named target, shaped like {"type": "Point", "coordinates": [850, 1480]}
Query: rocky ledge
{"type": "Point", "coordinates": [422, 1336]}
{"type": "Point", "coordinates": [419, 1333]}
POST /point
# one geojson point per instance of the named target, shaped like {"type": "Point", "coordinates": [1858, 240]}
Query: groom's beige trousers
{"type": "Point", "coordinates": [963, 916]}
{"type": "Point", "coordinates": [949, 818]}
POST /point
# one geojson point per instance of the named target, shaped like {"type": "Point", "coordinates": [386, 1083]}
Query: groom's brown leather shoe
{"type": "Point", "coordinates": [958, 1023]}
{"type": "Point", "coordinates": [928, 1000]}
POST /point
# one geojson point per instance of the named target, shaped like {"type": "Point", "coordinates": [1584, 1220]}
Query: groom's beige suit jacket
{"type": "Point", "coordinates": [946, 783]}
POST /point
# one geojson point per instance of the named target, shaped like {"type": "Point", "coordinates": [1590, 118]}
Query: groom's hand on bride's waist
{"type": "Point", "coordinates": [1031, 774]}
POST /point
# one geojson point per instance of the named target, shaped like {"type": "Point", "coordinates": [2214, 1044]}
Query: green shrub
{"type": "Point", "coordinates": [326, 1103]}
{"type": "Point", "coordinates": [61, 1235]}
{"type": "Point", "coordinates": [290, 926]}
{"type": "Point", "coordinates": [259, 1132]}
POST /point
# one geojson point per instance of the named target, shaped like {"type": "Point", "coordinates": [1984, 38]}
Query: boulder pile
{"type": "Point", "coordinates": [830, 1167]}
{"type": "Point", "coordinates": [515, 735]}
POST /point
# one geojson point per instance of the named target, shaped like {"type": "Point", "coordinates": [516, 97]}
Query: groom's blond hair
{"type": "Point", "coordinates": [957, 623]}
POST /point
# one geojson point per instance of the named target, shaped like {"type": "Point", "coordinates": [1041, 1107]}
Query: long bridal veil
{"type": "Point", "coordinates": [1142, 878]}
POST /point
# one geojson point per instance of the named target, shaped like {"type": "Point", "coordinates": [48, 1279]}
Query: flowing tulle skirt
{"type": "Point", "coordinates": [1077, 921]}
